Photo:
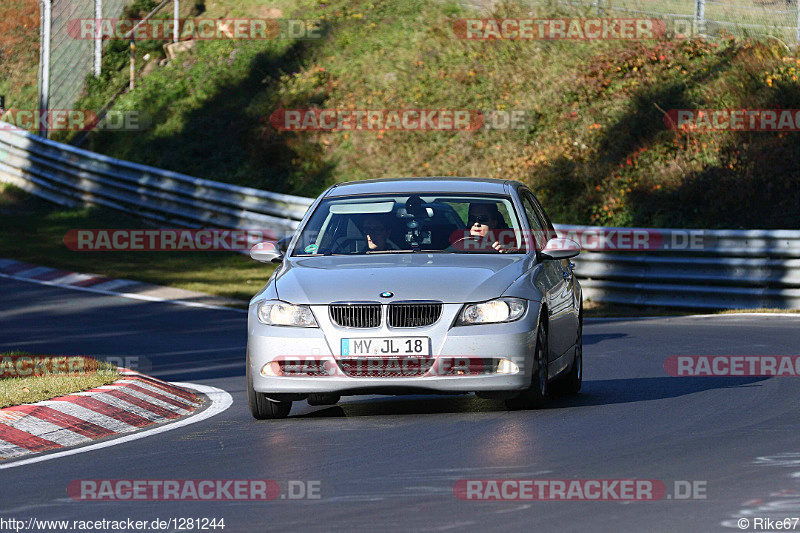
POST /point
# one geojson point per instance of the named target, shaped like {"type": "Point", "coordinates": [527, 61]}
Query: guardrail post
{"type": "Point", "coordinates": [133, 64]}
{"type": "Point", "coordinates": [175, 15]}
{"type": "Point", "coordinates": [45, 22]}
{"type": "Point", "coordinates": [98, 40]}
{"type": "Point", "coordinates": [700, 17]}
{"type": "Point", "coordinates": [798, 24]}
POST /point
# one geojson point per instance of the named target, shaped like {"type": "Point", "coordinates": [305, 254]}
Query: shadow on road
{"type": "Point", "coordinates": [603, 392]}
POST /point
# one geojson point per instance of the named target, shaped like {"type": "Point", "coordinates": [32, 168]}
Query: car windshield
{"type": "Point", "coordinates": [443, 223]}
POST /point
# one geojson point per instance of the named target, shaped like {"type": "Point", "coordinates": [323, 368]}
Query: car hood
{"type": "Point", "coordinates": [450, 278]}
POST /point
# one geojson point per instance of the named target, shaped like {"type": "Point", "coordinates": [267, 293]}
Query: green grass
{"type": "Point", "coordinates": [33, 230]}
{"type": "Point", "coordinates": [32, 389]}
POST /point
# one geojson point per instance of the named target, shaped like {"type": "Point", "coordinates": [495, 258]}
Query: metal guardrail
{"type": "Point", "coordinates": [732, 268]}
{"type": "Point", "coordinates": [729, 269]}
{"type": "Point", "coordinates": [71, 176]}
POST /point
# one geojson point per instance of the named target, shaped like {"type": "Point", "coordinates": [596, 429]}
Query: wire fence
{"type": "Point", "coordinates": [71, 59]}
{"type": "Point", "coordinates": [712, 18]}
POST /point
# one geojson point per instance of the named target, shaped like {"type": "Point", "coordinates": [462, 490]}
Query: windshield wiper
{"type": "Point", "coordinates": [408, 252]}
{"type": "Point", "coordinates": [389, 252]}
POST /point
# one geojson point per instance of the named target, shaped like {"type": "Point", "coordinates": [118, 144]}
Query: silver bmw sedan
{"type": "Point", "coordinates": [417, 286]}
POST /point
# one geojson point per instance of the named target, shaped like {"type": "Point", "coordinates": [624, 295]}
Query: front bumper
{"type": "Point", "coordinates": [515, 341]}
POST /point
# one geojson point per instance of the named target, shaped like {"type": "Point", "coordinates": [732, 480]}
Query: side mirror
{"type": "Point", "coordinates": [560, 248]}
{"type": "Point", "coordinates": [266, 252]}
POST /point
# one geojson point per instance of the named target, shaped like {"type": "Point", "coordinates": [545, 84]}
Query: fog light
{"type": "Point", "coordinates": [273, 368]}
{"type": "Point", "coordinates": [504, 366]}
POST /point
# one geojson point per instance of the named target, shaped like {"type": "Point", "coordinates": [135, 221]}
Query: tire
{"type": "Point", "coordinates": [260, 407]}
{"type": "Point", "coordinates": [537, 395]}
{"type": "Point", "coordinates": [573, 381]}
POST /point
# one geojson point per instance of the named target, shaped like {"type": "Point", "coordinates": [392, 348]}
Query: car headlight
{"type": "Point", "coordinates": [492, 312]}
{"type": "Point", "coordinates": [274, 313]}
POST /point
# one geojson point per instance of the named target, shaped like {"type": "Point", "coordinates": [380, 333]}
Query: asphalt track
{"type": "Point", "coordinates": [391, 463]}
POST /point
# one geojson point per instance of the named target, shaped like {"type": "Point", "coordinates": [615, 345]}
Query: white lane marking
{"type": "Point", "coordinates": [48, 431]}
{"type": "Point", "coordinates": [130, 296]}
{"type": "Point", "coordinates": [630, 318]}
{"type": "Point", "coordinates": [98, 419]}
{"type": "Point", "coordinates": [7, 262]}
{"type": "Point", "coordinates": [220, 401]}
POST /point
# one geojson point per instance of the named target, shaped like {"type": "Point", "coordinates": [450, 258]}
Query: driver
{"type": "Point", "coordinates": [377, 234]}
{"type": "Point", "coordinates": [483, 219]}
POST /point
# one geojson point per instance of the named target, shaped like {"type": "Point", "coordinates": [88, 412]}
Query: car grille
{"type": "Point", "coordinates": [356, 315]}
{"type": "Point", "coordinates": [414, 315]}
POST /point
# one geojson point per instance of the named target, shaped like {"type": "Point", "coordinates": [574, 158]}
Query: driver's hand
{"type": "Point", "coordinates": [503, 249]}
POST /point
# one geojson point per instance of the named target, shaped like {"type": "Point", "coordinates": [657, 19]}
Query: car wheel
{"type": "Point", "coordinates": [574, 380]}
{"type": "Point", "coordinates": [536, 395]}
{"type": "Point", "coordinates": [260, 407]}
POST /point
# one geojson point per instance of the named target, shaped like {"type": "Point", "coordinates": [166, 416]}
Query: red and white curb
{"type": "Point", "coordinates": [133, 402]}
{"type": "Point", "coordinates": [136, 290]}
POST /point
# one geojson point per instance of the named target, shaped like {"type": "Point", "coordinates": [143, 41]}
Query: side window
{"type": "Point", "coordinates": [551, 232]}
{"type": "Point", "coordinates": [535, 224]}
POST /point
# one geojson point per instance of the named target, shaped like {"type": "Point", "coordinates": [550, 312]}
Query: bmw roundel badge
{"type": "Point", "coordinates": [387, 294]}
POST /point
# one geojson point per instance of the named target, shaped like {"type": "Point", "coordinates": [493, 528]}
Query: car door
{"type": "Point", "coordinates": [571, 295]}
{"type": "Point", "coordinates": [560, 283]}
{"type": "Point", "coordinates": [545, 275]}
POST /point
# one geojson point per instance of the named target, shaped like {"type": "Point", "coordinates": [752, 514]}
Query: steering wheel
{"type": "Point", "coordinates": [462, 243]}
{"type": "Point", "coordinates": [344, 245]}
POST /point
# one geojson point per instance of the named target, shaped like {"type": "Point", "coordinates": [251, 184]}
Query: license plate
{"type": "Point", "coordinates": [392, 347]}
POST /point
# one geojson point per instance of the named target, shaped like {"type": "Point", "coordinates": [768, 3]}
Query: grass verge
{"type": "Point", "coordinates": [32, 389]}
{"type": "Point", "coordinates": [33, 230]}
